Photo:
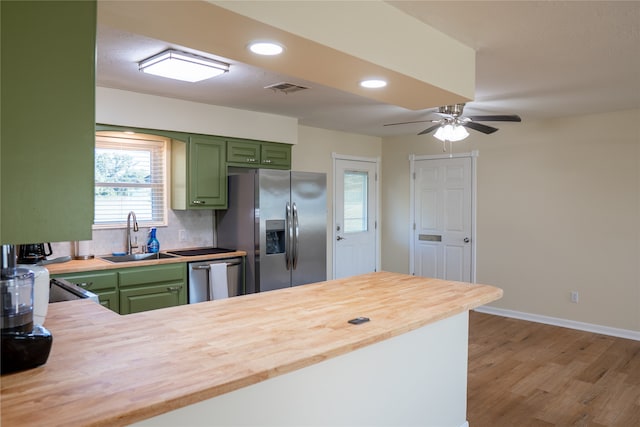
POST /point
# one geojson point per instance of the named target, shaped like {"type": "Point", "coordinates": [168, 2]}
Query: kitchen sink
{"type": "Point", "coordinates": [137, 257]}
{"type": "Point", "coordinates": [201, 251]}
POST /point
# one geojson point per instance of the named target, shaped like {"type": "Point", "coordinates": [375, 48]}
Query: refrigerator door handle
{"type": "Point", "coordinates": [289, 237]}
{"type": "Point", "coordinates": [296, 235]}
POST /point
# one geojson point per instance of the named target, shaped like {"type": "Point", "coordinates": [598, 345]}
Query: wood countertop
{"type": "Point", "coordinates": [97, 263]}
{"type": "Point", "coordinates": [105, 369]}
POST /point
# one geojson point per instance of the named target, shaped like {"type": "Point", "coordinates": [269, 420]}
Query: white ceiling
{"type": "Point", "coordinates": [538, 59]}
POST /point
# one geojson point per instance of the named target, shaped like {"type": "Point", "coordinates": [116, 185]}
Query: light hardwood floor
{"type": "Point", "coordinates": [529, 374]}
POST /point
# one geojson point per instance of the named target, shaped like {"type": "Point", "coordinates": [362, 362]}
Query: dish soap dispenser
{"type": "Point", "coordinates": [153, 246]}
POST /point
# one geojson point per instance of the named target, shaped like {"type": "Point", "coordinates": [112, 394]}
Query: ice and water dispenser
{"type": "Point", "coordinates": [275, 234]}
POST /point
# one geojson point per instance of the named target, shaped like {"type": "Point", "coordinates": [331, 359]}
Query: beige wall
{"type": "Point", "coordinates": [558, 210]}
{"type": "Point", "coordinates": [313, 152]}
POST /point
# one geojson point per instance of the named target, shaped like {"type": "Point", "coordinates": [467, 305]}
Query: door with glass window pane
{"type": "Point", "coordinates": [355, 218]}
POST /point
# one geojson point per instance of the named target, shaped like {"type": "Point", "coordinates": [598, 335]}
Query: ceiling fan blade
{"type": "Point", "coordinates": [480, 127]}
{"type": "Point", "coordinates": [430, 129]}
{"type": "Point", "coordinates": [406, 123]}
{"type": "Point", "coordinates": [496, 118]}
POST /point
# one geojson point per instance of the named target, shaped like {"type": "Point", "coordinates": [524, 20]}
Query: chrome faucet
{"type": "Point", "coordinates": [130, 246]}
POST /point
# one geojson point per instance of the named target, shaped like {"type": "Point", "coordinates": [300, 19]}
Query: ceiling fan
{"type": "Point", "coordinates": [452, 115]}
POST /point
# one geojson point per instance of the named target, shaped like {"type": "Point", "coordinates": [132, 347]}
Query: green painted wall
{"type": "Point", "coordinates": [48, 120]}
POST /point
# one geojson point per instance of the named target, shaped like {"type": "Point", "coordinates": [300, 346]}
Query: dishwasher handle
{"type": "Point", "coordinates": [206, 267]}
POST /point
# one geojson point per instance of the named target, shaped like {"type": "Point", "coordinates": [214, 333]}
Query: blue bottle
{"type": "Point", "coordinates": [153, 246]}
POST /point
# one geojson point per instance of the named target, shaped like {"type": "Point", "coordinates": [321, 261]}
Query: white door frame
{"type": "Point", "coordinates": [412, 158]}
{"type": "Point", "coordinates": [335, 156]}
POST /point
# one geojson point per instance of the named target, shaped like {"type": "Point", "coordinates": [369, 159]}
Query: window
{"type": "Point", "coordinates": [355, 201]}
{"type": "Point", "coordinates": [130, 175]}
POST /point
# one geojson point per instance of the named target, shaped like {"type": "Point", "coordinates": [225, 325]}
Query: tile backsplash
{"type": "Point", "coordinates": [197, 228]}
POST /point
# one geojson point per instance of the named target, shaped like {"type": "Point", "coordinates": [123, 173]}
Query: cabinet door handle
{"type": "Point", "coordinates": [85, 284]}
{"type": "Point", "coordinates": [251, 160]}
{"type": "Point", "coordinates": [266, 161]}
{"type": "Point", "coordinates": [198, 202]}
{"type": "Point", "coordinates": [173, 288]}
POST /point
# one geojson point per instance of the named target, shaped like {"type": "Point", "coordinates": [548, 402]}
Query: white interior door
{"type": "Point", "coordinates": [443, 218]}
{"type": "Point", "coordinates": [355, 217]}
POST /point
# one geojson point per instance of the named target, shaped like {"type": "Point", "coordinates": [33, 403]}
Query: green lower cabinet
{"type": "Point", "coordinates": [102, 283]}
{"type": "Point", "coordinates": [135, 289]}
{"type": "Point", "coordinates": [109, 299]}
{"type": "Point", "coordinates": [150, 288]}
{"type": "Point", "coordinates": [152, 297]}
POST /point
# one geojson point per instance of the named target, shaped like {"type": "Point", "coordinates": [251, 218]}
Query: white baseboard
{"type": "Point", "coordinates": [565, 323]}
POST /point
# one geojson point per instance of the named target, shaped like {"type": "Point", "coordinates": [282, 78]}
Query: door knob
{"type": "Point", "coordinates": [339, 238]}
{"type": "Point", "coordinates": [466, 240]}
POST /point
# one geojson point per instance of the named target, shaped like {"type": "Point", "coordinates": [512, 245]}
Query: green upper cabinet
{"type": "Point", "coordinates": [258, 154]}
{"type": "Point", "coordinates": [47, 120]}
{"type": "Point", "coordinates": [199, 173]}
{"type": "Point", "coordinates": [277, 156]}
{"type": "Point", "coordinates": [246, 153]}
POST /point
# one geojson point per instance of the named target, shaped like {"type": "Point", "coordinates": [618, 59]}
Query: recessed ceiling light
{"type": "Point", "coordinates": [183, 66]}
{"type": "Point", "coordinates": [373, 83]}
{"type": "Point", "coordinates": [266, 48]}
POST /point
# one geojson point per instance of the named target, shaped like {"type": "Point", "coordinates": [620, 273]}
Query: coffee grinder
{"type": "Point", "coordinates": [24, 344]}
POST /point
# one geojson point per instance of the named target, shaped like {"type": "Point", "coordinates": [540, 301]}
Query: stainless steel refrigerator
{"type": "Point", "coordinates": [280, 219]}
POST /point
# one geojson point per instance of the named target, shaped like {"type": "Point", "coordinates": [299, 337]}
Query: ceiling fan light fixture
{"type": "Point", "coordinates": [266, 48]}
{"type": "Point", "coordinates": [451, 133]}
{"type": "Point", "coordinates": [459, 133]}
{"type": "Point", "coordinates": [183, 66]}
{"type": "Point", "coordinates": [373, 83]}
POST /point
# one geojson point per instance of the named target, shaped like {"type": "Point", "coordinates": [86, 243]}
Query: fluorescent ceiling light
{"type": "Point", "coordinates": [266, 48]}
{"type": "Point", "coordinates": [183, 66]}
{"type": "Point", "coordinates": [451, 133]}
{"type": "Point", "coordinates": [373, 83]}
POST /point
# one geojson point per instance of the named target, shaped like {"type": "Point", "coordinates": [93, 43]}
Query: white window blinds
{"type": "Point", "coordinates": [130, 175]}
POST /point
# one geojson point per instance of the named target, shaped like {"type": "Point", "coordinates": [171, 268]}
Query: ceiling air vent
{"type": "Point", "coordinates": [285, 87]}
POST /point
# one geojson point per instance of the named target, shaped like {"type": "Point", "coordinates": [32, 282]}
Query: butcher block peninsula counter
{"type": "Point", "coordinates": [285, 357]}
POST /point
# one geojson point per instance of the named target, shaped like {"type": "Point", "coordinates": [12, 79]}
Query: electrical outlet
{"type": "Point", "coordinates": [182, 235]}
{"type": "Point", "coordinates": [575, 296]}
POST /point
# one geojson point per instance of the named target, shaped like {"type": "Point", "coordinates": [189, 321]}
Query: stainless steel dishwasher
{"type": "Point", "coordinates": [199, 289]}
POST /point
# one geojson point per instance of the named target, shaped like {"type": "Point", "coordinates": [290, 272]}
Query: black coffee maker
{"type": "Point", "coordinates": [33, 253]}
{"type": "Point", "coordinates": [24, 344]}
